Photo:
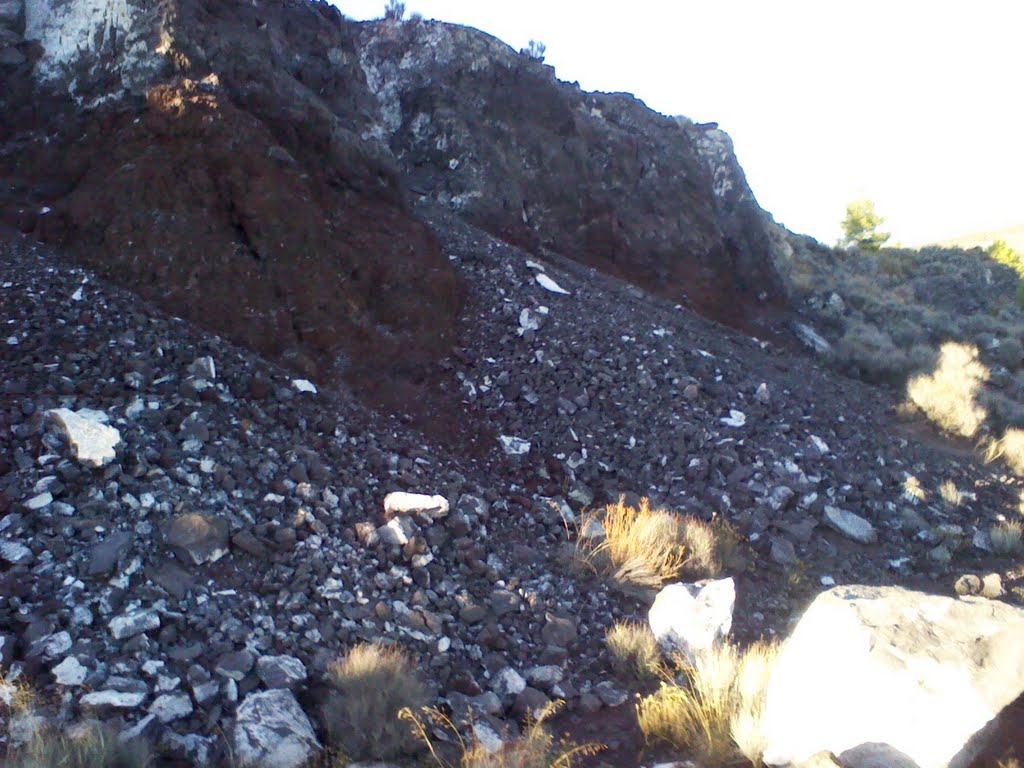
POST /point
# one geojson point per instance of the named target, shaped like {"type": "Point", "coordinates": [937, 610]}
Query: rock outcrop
{"type": "Point", "coordinates": [209, 155]}
{"type": "Point", "coordinates": [596, 177]}
{"type": "Point", "coordinates": [872, 672]}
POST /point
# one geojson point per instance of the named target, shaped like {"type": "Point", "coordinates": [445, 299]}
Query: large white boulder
{"type": "Point", "coordinates": [272, 731]}
{"type": "Point", "coordinates": [875, 669]}
{"type": "Point", "coordinates": [690, 618]}
{"type": "Point", "coordinates": [92, 442]}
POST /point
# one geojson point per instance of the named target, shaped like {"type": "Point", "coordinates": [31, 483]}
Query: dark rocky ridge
{"type": "Point", "coordinates": [230, 160]}
{"type": "Point", "coordinates": [225, 177]}
{"type": "Point", "coordinates": [597, 177]}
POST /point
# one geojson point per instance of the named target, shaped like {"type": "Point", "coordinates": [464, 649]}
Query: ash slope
{"type": "Point", "coordinates": [616, 391]}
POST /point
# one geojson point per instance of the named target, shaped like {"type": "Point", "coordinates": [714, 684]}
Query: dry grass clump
{"type": "Point", "coordinates": [1009, 448]}
{"type": "Point", "coordinates": [1007, 537]}
{"type": "Point", "coordinates": [370, 685]}
{"type": "Point", "coordinates": [645, 546]}
{"type": "Point", "coordinates": [950, 493]}
{"type": "Point", "coordinates": [634, 650]}
{"type": "Point", "coordinates": [718, 710]}
{"type": "Point", "coordinates": [948, 396]}
{"type": "Point", "coordinates": [89, 745]}
{"type": "Point", "coordinates": [536, 748]}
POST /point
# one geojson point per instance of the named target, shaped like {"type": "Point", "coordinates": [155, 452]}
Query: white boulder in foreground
{"type": "Point", "coordinates": [691, 618]}
{"type": "Point", "coordinates": [272, 731]}
{"type": "Point", "coordinates": [91, 441]}
{"type": "Point", "coordinates": [875, 669]}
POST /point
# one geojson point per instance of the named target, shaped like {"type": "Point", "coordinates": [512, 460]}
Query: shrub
{"type": "Point", "coordinates": [536, 748]}
{"type": "Point", "coordinates": [370, 685]}
{"type": "Point", "coordinates": [950, 493]}
{"type": "Point", "coordinates": [535, 49]}
{"type": "Point", "coordinates": [634, 650]}
{"type": "Point", "coordinates": [89, 745]}
{"type": "Point", "coordinates": [948, 395]}
{"type": "Point", "coordinates": [646, 547]}
{"type": "Point", "coordinates": [1009, 448]}
{"type": "Point", "coordinates": [860, 226]}
{"type": "Point", "coordinates": [1007, 537]}
{"type": "Point", "coordinates": [394, 10]}
{"type": "Point", "coordinates": [717, 711]}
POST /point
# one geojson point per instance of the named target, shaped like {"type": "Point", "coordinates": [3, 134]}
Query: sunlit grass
{"type": "Point", "coordinates": [718, 710]}
{"type": "Point", "coordinates": [370, 685]}
{"type": "Point", "coordinates": [536, 748]}
{"type": "Point", "coordinates": [1009, 448]}
{"type": "Point", "coordinates": [634, 650]}
{"type": "Point", "coordinates": [950, 493]}
{"type": "Point", "coordinates": [647, 547]}
{"type": "Point", "coordinates": [948, 396]}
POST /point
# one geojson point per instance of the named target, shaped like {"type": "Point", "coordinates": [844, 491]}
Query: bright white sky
{"type": "Point", "coordinates": [917, 105]}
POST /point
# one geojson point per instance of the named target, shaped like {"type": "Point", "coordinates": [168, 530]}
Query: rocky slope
{"type": "Point", "coordinates": [233, 165]}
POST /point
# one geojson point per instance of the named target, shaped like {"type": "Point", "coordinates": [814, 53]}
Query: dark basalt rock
{"type": "Point", "coordinates": [597, 177]}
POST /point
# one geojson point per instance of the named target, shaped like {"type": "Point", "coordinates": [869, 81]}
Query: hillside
{"type": "Point", "coordinates": [1012, 236]}
{"type": "Point", "coordinates": [333, 344]}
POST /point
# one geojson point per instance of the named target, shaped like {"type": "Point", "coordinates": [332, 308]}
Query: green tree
{"type": "Point", "coordinates": [860, 227]}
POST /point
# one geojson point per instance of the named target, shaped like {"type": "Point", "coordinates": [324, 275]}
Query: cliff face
{"type": "Point", "coordinates": [247, 164]}
{"type": "Point", "coordinates": [597, 177]}
{"type": "Point", "coordinates": [210, 157]}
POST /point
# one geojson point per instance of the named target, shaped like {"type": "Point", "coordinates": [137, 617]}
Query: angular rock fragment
{"type": "Point", "coordinates": [92, 442]}
{"type": "Point", "coordinates": [850, 525]}
{"type": "Point", "coordinates": [691, 618]}
{"type": "Point", "coordinates": [403, 503]}
{"type": "Point", "coordinates": [197, 538]}
{"type": "Point", "coordinates": [272, 731]}
{"type": "Point", "coordinates": [135, 623]}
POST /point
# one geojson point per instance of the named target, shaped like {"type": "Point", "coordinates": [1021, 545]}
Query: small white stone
{"type": "Point", "coordinates": [70, 672]}
{"type": "Point", "coordinates": [38, 502]}
{"type": "Point", "coordinates": [92, 441]}
{"type": "Point", "coordinates": [116, 699]}
{"type": "Point", "coordinates": [514, 446]}
{"type": "Point", "coordinates": [548, 284]}
{"type": "Point", "coordinates": [171, 707]}
{"type": "Point", "coordinates": [304, 385]}
{"type": "Point", "coordinates": [734, 419]}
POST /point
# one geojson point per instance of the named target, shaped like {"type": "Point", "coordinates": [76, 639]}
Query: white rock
{"type": "Point", "coordinates": [92, 442]}
{"type": "Point", "coordinates": [135, 623]}
{"type": "Point", "coordinates": [171, 707]}
{"type": "Point", "coordinates": [508, 682]}
{"type": "Point", "coordinates": [115, 699]}
{"type": "Point", "coordinates": [548, 284]}
{"type": "Point", "coordinates": [734, 419]}
{"type": "Point", "coordinates": [812, 339]}
{"type": "Point", "coordinates": [850, 525]}
{"type": "Point", "coordinates": [281, 671]}
{"type": "Point", "coordinates": [70, 672]}
{"type": "Point", "coordinates": [818, 444]}
{"type": "Point", "coordinates": [487, 737]}
{"type": "Point", "coordinates": [15, 553]}
{"type": "Point", "coordinates": [514, 446]}
{"type": "Point", "coordinates": [692, 618]}
{"type": "Point", "coordinates": [883, 665]}
{"type": "Point", "coordinates": [397, 531]}
{"type": "Point", "coordinates": [304, 386]}
{"type": "Point", "coordinates": [272, 731]}
{"type": "Point", "coordinates": [402, 503]}
{"type": "Point", "coordinates": [38, 502]}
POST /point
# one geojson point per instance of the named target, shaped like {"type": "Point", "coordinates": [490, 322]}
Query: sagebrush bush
{"type": "Point", "coordinates": [1009, 448]}
{"type": "Point", "coordinates": [88, 745]}
{"type": "Point", "coordinates": [370, 685]}
{"type": "Point", "coordinates": [634, 650]}
{"type": "Point", "coordinates": [717, 711]}
{"type": "Point", "coordinates": [645, 546]}
{"type": "Point", "coordinates": [948, 396]}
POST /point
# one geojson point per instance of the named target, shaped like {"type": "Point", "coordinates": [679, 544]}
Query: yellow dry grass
{"type": "Point", "coordinates": [717, 712]}
{"type": "Point", "coordinates": [647, 546]}
{"type": "Point", "coordinates": [88, 745]}
{"type": "Point", "coordinates": [536, 748]}
{"type": "Point", "coordinates": [950, 493]}
{"type": "Point", "coordinates": [634, 650]}
{"type": "Point", "coordinates": [370, 685]}
{"type": "Point", "coordinates": [1009, 448]}
{"type": "Point", "coordinates": [948, 396]}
